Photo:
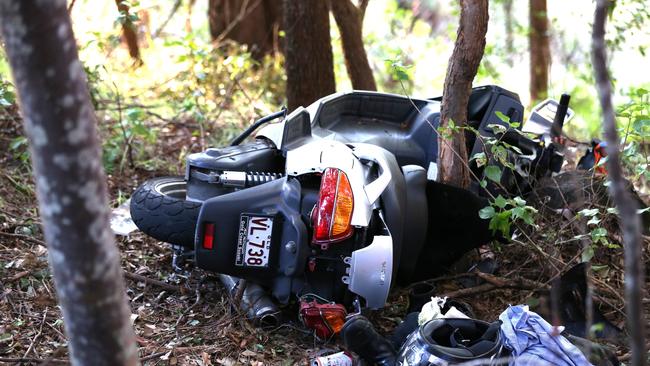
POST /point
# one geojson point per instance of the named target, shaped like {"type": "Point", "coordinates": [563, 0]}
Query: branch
{"type": "Point", "coordinates": [494, 282]}
{"type": "Point", "coordinates": [363, 4]}
{"type": "Point", "coordinates": [177, 5]}
{"type": "Point", "coordinates": [629, 220]}
{"type": "Point", "coordinates": [71, 6]}
{"type": "Point", "coordinates": [151, 281]}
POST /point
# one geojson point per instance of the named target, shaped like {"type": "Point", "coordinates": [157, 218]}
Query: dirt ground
{"type": "Point", "coordinates": [185, 318]}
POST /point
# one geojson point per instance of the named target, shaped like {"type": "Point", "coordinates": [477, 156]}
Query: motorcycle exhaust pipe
{"type": "Point", "coordinates": [257, 305]}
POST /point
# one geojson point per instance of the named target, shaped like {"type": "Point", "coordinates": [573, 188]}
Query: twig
{"type": "Point", "coordinates": [519, 282]}
{"type": "Point", "coordinates": [125, 135]}
{"type": "Point", "coordinates": [245, 10]}
{"type": "Point", "coordinates": [40, 331]}
{"type": "Point", "coordinates": [31, 360]}
{"type": "Point", "coordinates": [24, 237]}
{"type": "Point", "coordinates": [471, 291]}
{"type": "Point", "coordinates": [495, 282]}
{"type": "Point", "coordinates": [71, 6]}
{"type": "Point", "coordinates": [196, 302]}
{"type": "Point", "coordinates": [152, 356]}
{"type": "Point", "coordinates": [151, 281]}
{"type": "Point", "coordinates": [18, 276]}
{"type": "Point", "coordinates": [177, 5]}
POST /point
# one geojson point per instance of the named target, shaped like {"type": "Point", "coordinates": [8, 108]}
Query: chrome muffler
{"type": "Point", "coordinates": [255, 303]}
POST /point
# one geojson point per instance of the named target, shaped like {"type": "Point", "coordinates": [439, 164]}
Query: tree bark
{"type": "Point", "coordinates": [128, 32]}
{"type": "Point", "coordinates": [540, 53]}
{"type": "Point", "coordinates": [463, 65]}
{"type": "Point", "coordinates": [625, 203]}
{"type": "Point", "coordinates": [70, 181]}
{"type": "Point", "coordinates": [349, 19]}
{"type": "Point", "coordinates": [254, 23]}
{"type": "Point", "coordinates": [308, 52]}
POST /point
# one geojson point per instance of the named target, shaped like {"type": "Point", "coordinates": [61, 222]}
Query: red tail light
{"type": "Point", "coordinates": [325, 319]}
{"type": "Point", "coordinates": [333, 213]}
{"type": "Point", "coordinates": [208, 236]}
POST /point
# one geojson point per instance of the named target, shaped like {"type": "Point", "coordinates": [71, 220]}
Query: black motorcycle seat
{"type": "Point", "coordinates": [416, 218]}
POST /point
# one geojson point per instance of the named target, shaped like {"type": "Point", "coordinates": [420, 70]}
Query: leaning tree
{"type": "Point", "coordinates": [349, 19]}
{"type": "Point", "coordinates": [462, 68]}
{"type": "Point", "coordinates": [71, 185]}
{"type": "Point", "coordinates": [625, 204]}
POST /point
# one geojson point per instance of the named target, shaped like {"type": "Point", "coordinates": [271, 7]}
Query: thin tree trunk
{"type": "Point", "coordinates": [540, 53]}
{"type": "Point", "coordinates": [510, 49]}
{"type": "Point", "coordinates": [128, 32]}
{"type": "Point", "coordinates": [308, 52]}
{"type": "Point", "coordinates": [349, 19]}
{"type": "Point", "coordinates": [463, 65]}
{"type": "Point", "coordinates": [71, 185]}
{"type": "Point", "coordinates": [250, 22]}
{"type": "Point", "coordinates": [626, 205]}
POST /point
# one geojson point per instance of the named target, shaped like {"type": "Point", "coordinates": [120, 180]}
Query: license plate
{"type": "Point", "coordinates": [254, 241]}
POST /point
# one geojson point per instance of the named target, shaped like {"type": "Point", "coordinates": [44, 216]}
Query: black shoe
{"type": "Point", "coordinates": [360, 337]}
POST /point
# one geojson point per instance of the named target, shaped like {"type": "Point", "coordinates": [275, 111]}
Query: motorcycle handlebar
{"type": "Point", "coordinates": [560, 115]}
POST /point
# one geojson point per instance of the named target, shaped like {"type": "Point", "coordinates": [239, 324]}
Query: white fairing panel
{"type": "Point", "coordinates": [371, 271]}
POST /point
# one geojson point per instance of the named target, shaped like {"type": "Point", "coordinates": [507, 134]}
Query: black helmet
{"type": "Point", "coordinates": [444, 341]}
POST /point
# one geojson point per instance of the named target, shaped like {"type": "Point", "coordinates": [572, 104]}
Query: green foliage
{"type": "Point", "coordinates": [128, 17]}
{"type": "Point", "coordinates": [400, 73]}
{"type": "Point", "coordinates": [634, 118]}
{"type": "Point", "coordinates": [7, 93]}
{"type": "Point", "coordinates": [598, 233]}
{"type": "Point", "coordinates": [503, 212]}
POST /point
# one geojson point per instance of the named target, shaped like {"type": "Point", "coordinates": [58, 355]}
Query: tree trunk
{"type": "Point", "coordinates": [540, 53]}
{"type": "Point", "coordinates": [254, 23]}
{"type": "Point", "coordinates": [463, 65]}
{"type": "Point", "coordinates": [128, 32]}
{"type": "Point", "coordinates": [71, 185]}
{"type": "Point", "coordinates": [308, 52]}
{"type": "Point", "coordinates": [625, 203]}
{"type": "Point", "coordinates": [510, 48]}
{"type": "Point", "coordinates": [349, 19]}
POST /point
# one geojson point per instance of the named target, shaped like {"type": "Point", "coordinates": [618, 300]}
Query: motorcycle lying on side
{"type": "Point", "coordinates": [338, 202]}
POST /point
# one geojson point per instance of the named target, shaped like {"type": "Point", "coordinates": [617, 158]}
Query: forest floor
{"type": "Point", "coordinates": [186, 319]}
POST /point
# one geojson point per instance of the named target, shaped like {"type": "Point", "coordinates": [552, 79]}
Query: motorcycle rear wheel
{"type": "Point", "coordinates": [160, 210]}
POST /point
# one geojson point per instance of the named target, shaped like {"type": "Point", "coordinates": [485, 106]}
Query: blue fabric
{"type": "Point", "coordinates": [531, 340]}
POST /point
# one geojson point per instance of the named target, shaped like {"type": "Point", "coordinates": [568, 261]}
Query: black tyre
{"type": "Point", "coordinates": [160, 210]}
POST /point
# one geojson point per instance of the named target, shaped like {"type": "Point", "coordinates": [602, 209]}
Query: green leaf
{"type": "Point", "coordinates": [480, 158]}
{"type": "Point", "coordinates": [589, 212]}
{"type": "Point", "coordinates": [500, 202]}
{"type": "Point", "coordinates": [532, 302]}
{"type": "Point", "coordinates": [587, 254]}
{"type": "Point", "coordinates": [593, 221]}
{"type": "Point", "coordinates": [501, 222]}
{"type": "Point", "coordinates": [493, 173]}
{"type": "Point", "coordinates": [502, 117]}
{"type": "Point", "coordinates": [519, 201]}
{"type": "Point", "coordinates": [496, 128]}
{"type": "Point", "coordinates": [17, 142]}
{"type": "Point", "coordinates": [486, 212]}
{"type": "Point", "coordinates": [598, 268]}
